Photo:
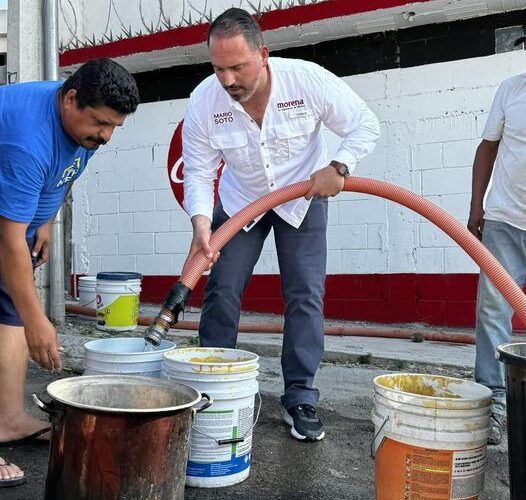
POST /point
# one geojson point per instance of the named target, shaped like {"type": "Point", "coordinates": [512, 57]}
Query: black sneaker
{"type": "Point", "coordinates": [496, 431]}
{"type": "Point", "coordinates": [304, 422]}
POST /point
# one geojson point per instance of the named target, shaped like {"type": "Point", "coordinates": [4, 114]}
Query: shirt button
{"type": "Point", "coordinates": [267, 165]}
{"type": "Point", "coordinates": [262, 143]}
{"type": "Point", "coordinates": [272, 184]}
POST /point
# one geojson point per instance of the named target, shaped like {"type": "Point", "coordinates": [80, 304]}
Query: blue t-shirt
{"type": "Point", "coordinates": [38, 159]}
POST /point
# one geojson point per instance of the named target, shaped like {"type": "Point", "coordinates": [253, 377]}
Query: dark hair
{"type": "Point", "coordinates": [234, 22]}
{"type": "Point", "coordinates": [103, 82]}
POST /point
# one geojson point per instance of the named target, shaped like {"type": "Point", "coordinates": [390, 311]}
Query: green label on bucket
{"type": "Point", "coordinates": [209, 459]}
{"type": "Point", "coordinates": [122, 312]}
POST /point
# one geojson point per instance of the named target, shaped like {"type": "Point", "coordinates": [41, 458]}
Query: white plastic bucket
{"type": "Point", "coordinates": [221, 439]}
{"type": "Point", "coordinates": [431, 436]}
{"type": "Point", "coordinates": [124, 356]}
{"type": "Point", "coordinates": [118, 300]}
{"type": "Point", "coordinates": [87, 291]}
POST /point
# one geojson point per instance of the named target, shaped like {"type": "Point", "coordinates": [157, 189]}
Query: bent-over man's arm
{"type": "Point", "coordinates": [347, 115]}
{"type": "Point", "coordinates": [17, 275]}
{"type": "Point", "coordinates": [201, 162]}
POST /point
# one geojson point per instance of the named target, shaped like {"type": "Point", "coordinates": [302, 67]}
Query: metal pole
{"type": "Point", "coordinates": [57, 286]}
{"type": "Point", "coordinates": [50, 23]}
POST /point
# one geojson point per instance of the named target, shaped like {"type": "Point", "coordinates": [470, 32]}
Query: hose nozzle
{"type": "Point", "coordinates": [169, 314]}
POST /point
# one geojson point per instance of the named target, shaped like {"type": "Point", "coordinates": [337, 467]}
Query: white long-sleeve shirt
{"type": "Point", "coordinates": [287, 149]}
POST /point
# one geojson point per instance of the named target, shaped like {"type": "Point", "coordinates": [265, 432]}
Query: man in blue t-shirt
{"type": "Point", "coordinates": [48, 132]}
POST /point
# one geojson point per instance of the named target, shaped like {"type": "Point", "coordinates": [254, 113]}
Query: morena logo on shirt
{"type": "Point", "coordinates": [296, 103]}
{"type": "Point", "coordinates": [70, 172]}
{"type": "Point", "coordinates": [225, 117]}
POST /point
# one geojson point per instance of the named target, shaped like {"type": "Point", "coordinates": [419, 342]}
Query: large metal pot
{"type": "Point", "coordinates": [118, 437]}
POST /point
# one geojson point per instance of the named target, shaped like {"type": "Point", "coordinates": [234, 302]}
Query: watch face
{"type": "Point", "coordinates": [341, 168]}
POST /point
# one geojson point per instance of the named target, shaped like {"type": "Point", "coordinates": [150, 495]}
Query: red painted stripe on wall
{"type": "Point", "coordinates": [191, 35]}
{"type": "Point", "coordinates": [177, 37]}
{"type": "Point", "coordinates": [434, 299]}
{"type": "Point", "coordinates": [325, 10]}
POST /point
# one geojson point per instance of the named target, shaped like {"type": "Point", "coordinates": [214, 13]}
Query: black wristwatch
{"type": "Point", "coordinates": [341, 168]}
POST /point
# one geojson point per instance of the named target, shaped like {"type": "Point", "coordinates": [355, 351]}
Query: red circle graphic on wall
{"type": "Point", "coordinates": [175, 166]}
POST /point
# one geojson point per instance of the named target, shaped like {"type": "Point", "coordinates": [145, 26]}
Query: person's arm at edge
{"type": "Point", "coordinates": [17, 276]}
{"type": "Point", "coordinates": [482, 169]}
{"type": "Point", "coordinates": [485, 157]}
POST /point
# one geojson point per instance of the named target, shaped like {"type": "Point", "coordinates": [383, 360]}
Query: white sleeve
{"type": "Point", "coordinates": [348, 116]}
{"type": "Point", "coordinates": [201, 162]}
{"type": "Point", "coordinates": [495, 122]}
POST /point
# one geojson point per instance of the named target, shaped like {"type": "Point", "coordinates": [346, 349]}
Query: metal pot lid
{"type": "Point", "coordinates": [123, 394]}
{"type": "Point", "coordinates": [513, 353]}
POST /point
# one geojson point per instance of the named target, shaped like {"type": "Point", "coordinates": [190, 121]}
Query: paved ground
{"type": "Point", "coordinates": [340, 467]}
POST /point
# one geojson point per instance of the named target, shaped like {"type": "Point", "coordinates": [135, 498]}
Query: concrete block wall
{"type": "Point", "coordinates": [126, 217]}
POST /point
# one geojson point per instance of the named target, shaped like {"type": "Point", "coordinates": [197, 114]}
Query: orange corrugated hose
{"type": "Point", "coordinates": [194, 268]}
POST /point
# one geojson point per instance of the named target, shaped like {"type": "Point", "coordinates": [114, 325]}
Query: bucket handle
{"type": "Point", "coordinates": [238, 439]}
{"type": "Point", "coordinates": [209, 402]}
{"type": "Point", "coordinates": [386, 419]}
{"type": "Point", "coordinates": [87, 304]}
{"type": "Point", "coordinates": [46, 407]}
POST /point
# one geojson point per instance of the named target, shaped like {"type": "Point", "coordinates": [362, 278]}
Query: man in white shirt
{"type": "Point", "coordinates": [263, 117]}
{"type": "Point", "coordinates": [501, 225]}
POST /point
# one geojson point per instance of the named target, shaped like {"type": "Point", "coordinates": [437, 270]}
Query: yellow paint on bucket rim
{"type": "Point", "coordinates": [468, 393]}
{"type": "Point", "coordinates": [434, 386]}
{"type": "Point", "coordinates": [215, 360]}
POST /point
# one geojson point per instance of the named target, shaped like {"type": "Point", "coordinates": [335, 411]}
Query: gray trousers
{"type": "Point", "coordinates": [302, 257]}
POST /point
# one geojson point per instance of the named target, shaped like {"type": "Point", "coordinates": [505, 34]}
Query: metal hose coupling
{"type": "Point", "coordinates": [169, 314]}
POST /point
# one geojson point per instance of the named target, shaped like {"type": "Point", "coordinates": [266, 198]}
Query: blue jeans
{"type": "Point", "coordinates": [508, 245]}
{"type": "Point", "coordinates": [302, 257]}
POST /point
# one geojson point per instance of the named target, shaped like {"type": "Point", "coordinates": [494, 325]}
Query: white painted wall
{"type": "Point", "coordinates": [126, 218]}
{"type": "Point", "coordinates": [3, 30]}
{"type": "Point", "coordinates": [3, 42]}
{"type": "Point", "coordinates": [24, 41]}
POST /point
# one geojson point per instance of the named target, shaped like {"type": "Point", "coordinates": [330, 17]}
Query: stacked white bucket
{"type": "Point", "coordinates": [87, 291]}
{"type": "Point", "coordinates": [221, 439]}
